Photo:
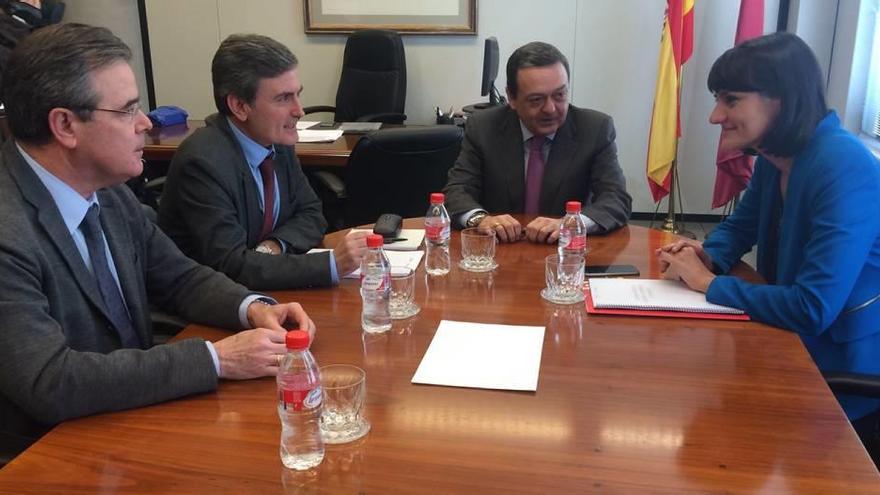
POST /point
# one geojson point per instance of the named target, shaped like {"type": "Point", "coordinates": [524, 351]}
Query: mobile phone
{"type": "Point", "coordinates": [610, 270]}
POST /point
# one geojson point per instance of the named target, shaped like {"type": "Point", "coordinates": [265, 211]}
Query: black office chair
{"type": "Point", "coordinates": [853, 384]}
{"type": "Point", "coordinates": [372, 86]}
{"type": "Point", "coordinates": [394, 171]}
{"type": "Point", "coordinates": [861, 385]}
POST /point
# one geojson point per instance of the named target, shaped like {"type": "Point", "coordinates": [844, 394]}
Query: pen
{"type": "Point", "coordinates": [396, 239]}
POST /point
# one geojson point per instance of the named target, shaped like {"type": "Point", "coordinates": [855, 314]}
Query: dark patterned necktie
{"type": "Point", "coordinates": [91, 229]}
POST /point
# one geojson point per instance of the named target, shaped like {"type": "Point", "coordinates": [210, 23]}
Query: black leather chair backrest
{"type": "Point", "coordinates": [394, 170]}
{"type": "Point", "coordinates": [373, 79]}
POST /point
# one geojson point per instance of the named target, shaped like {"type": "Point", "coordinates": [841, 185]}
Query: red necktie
{"type": "Point", "coordinates": [534, 174]}
{"type": "Point", "coordinates": [267, 172]}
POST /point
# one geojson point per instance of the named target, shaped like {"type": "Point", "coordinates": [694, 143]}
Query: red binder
{"type": "Point", "coordinates": [588, 297]}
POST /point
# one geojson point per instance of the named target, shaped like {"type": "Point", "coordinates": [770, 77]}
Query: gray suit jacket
{"type": "Point", "coordinates": [582, 166]}
{"type": "Point", "coordinates": [59, 355]}
{"type": "Point", "coordinates": [211, 208]}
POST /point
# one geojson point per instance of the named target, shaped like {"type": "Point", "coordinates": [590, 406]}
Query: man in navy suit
{"type": "Point", "coordinates": [535, 154]}
{"type": "Point", "coordinates": [236, 198]}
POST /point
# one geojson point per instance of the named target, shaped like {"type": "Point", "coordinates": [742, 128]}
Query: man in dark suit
{"type": "Point", "coordinates": [535, 154]}
{"type": "Point", "coordinates": [80, 261]}
{"type": "Point", "coordinates": [223, 177]}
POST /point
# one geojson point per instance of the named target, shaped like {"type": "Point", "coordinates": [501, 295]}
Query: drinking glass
{"type": "Point", "coordinates": [403, 287]}
{"type": "Point", "coordinates": [565, 279]}
{"type": "Point", "coordinates": [477, 250]}
{"type": "Point", "coordinates": [345, 389]}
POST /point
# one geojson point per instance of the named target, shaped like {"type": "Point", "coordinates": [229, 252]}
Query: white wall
{"type": "Point", "coordinates": [850, 59]}
{"type": "Point", "coordinates": [121, 17]}
{"type": "Point", "coordinates": [612, 46]}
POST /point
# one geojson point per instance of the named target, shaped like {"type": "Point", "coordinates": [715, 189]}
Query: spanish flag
{"type": "Point", "coordinates": [676, 47]}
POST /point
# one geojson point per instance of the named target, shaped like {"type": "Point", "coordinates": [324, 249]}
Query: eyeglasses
{"type": "Point", "coordinates": [537, 101]}
{"type": "Point", "coordinates": [131, 112]}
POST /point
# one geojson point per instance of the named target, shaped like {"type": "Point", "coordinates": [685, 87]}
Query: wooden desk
{"type": "Point", "coordinates": [624, 405]}
{"type": "Point", "coordinates": [162, 142]}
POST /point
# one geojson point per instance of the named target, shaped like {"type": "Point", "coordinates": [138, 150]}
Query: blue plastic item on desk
{"type": "Point", "coordinates": [168, 115]}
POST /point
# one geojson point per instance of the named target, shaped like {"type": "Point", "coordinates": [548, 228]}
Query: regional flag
{"type": "Point", "coordinates": [735, 168]}
{"type": "Point", "coordinates": [676, 47]}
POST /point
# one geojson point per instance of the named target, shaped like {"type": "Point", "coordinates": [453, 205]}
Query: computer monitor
{"type": "Point", "coordinates": [490, 72]}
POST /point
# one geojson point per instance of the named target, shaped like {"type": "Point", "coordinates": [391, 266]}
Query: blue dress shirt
{"type": "Point", "coordinates": [254, 154]}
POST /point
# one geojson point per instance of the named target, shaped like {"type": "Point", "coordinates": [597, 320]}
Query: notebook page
{"type": "Point", "coordinates": [660, 295]}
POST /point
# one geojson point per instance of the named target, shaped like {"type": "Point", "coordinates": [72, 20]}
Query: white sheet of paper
{"type": "Point", "coordinates": [409, 259]}
{"type": "Point", "coordinates": [414, 238]}
{"type": "Point", "coordinates": [314, 136]}
{"type": "Point", "coordinates": [483, 355]}
{"type": "Point", "coordinates": [305, 124]}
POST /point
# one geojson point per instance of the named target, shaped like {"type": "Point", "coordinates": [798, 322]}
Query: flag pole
{"type": "Point", "coordinates": [670, 225]}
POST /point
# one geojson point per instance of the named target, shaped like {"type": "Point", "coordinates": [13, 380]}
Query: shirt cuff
{"type": "Point", "coordinates": [243, 307]}
{"type": "Point", "coordinates": [592, 227]}
{"type": "Point", "coordinates": [334, 275]}
{"type": "Point", "coordinates": [214, 357]}
{"type": "Point", "coordinates": [463, 217]}
{"type": "Point", "coordinates": [281, 243]}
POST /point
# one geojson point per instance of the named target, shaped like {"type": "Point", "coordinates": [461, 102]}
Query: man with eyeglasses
{"type": "Point", "coordinates": [80, 263]}
{"type": "Point", "coordinates": [236, 198]}
{"type": "Point", "coordinates": [535, 154]}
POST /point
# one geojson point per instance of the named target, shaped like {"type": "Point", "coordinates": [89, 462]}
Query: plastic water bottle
{"type": "Point", "coordinates": [300, 400]}
{"type": "Point", "coordinates": [437, 236]}
{"type": "Point", "coordinates": [572, 232]}
{"type": "Point", "coordinates": [375, 287]}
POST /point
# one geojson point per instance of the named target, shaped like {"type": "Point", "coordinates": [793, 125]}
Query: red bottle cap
{"type": "Point", "coordinates": [297, 339]}
{"type": "Point", "coordinates": [572, 206]}
{"type": "Point", "coordinates": [375, 240]}
{"type": "Point", "coordinates": [437, 198]}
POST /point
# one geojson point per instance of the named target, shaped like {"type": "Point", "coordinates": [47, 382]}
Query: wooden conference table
{"type": "Point", "coordinates": [624, 405]}
{"type": "Point", "coordinates": [162, 142]}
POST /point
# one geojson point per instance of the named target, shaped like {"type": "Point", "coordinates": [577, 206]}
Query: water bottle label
{"type": "Point", "coordinates": [569, 241]}
{"type": "Point", "coordinates": [375, 282]}
{"type": "Point", "coordinates": [577, 242]}
{"type": "Point", "coordinates": [298, 400]}
{"type": "Point", "coordinates": [437, 232]}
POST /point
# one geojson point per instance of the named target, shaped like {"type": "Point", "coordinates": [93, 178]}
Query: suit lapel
{"type": "Point", "coordinates": [125, 259]}
{"type": "Point", "coordinates": [246, 183]}
{"type": "Point", "coordinates": [515, 155]}
{"type": "Point", "coordinates": [282, 173]}
{"type": "Point", "coordinates": [34, 192]}
{"type": "Point", "coordinates": [558, 163]}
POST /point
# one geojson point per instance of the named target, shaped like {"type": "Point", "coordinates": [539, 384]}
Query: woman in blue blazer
{"type": "Point", "coordinates": [812, 207]}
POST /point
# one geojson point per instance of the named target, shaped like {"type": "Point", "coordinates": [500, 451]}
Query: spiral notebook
{"type": "Point", "coordinates": [653, 297]}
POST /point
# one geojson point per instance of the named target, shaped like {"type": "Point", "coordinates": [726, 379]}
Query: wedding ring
{"type": "Point", "coordinates": [496, 225]}
{"type": "Point", "coordinates": [278, 360]}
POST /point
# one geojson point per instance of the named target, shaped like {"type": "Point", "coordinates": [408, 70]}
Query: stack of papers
{"type": "Point", "coordinates": [663, 298]}
{"type": "Point", "coordinates": [356, 127]}
{"type": "Point", "coordinates": [305, 124]}
{"type": "Point", "coordinates": [314, 136]}
{"type": "Point", "coordinates": [482, 355]}
{"type": "Point", "coordinates": [409, 259]}
{"type": "Point", "coordinates": [409, 240]}
{"type": "Point", "coordinates": [653, 295]}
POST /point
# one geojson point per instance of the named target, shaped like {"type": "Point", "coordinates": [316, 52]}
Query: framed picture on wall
{"type": "Point", "coordinates": [403, 16]}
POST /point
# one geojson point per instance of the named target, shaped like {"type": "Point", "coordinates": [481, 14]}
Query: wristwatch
{"type": "Point", "coordinates": [262, 248]}
{"type": "Point", "coordinates": [475, 219]}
